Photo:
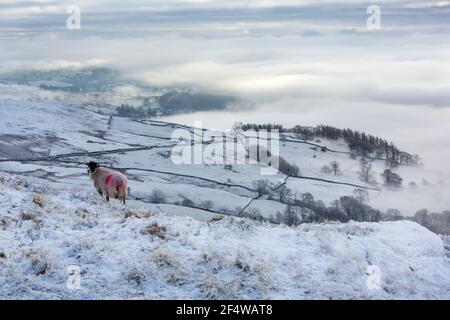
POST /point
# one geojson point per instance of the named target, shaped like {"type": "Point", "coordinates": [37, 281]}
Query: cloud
{"type": "Point", "coordinates": [105, 15]}
{"type": "Point", "coordinates": [394, 83]}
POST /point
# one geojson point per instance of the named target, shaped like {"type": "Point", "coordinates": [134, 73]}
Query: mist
{"type": "Point", "coordinates": [301, 62]}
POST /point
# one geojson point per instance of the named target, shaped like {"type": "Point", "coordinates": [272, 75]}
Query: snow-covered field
{"type": "Point", "coordinates": [35, 125]}
{"type": "Point", "coordinates": [49, 236]}
{"type": "Point", "coordinates": [52, 220]}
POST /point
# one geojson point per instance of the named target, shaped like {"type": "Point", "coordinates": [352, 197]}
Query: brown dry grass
{"type": "Point", "coordinates": [156, 230]}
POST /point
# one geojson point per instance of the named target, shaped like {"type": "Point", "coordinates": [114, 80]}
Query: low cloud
{"type": "Point", "coordinates": [394, 83]}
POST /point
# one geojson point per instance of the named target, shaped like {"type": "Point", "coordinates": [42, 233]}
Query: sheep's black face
{"type": "Point", "coordinates": [92, 166]}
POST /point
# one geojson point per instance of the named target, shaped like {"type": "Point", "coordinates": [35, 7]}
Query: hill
{"type": "Point", "coordinates": [207, 228]}
{"type": "Point", "coordinates": [51, 235]}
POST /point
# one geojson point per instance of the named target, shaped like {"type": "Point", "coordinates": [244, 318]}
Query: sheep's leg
{"type": "Point", "coordinates": [100, 192]}
{"type": "Point", "coordinates": [123, 200]}
{"type": "Point", "coordinates": [107, 198]}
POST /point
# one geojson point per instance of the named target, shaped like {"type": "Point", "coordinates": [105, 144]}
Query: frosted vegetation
{"type": "Point", "coordinates": [144, 254]}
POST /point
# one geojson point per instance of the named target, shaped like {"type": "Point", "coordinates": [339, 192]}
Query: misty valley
{"type": "Point", "coordinates": [219, 153]}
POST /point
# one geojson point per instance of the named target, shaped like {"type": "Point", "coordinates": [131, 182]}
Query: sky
{"type": "Point", "coordinates": [293, 62]}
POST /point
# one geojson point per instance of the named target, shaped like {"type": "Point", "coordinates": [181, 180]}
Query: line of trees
{"type": "Point", "coordinates": [267, 126]}
{"type": "Point", "coordinates": [260, 154]}
{"type": "Point", "coordinates": [361, 143]}
{"type": "Point", "coordinates": [366, 144]}
{"type": "Point", "coordinates": [125, 110]}
{"type": "Point", "coordinates": [182, 102]}
{"type": "Point", "coordinates": [304, 209]}
{"type": "Point", "coordinates": [437, 222]}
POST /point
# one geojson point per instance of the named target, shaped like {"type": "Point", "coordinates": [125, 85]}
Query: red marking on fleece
{"type": "Point", "coordinates": [108, 180]}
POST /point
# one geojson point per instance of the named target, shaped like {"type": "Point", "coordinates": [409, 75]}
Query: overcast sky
{"type": "Point", "coordinates": [295, 61]}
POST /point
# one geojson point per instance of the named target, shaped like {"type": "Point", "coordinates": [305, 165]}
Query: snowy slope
{"type": "Point", "coordinates": [46, 230]}
{"type": "Point", "coordinates": [51, 218]}
{"type": "Point", "coordinates": [61, 134]}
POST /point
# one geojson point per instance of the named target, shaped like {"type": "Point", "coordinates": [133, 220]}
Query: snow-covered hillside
{"type": "Point", "coordinates": [187, 244]}
{"type": "Point", "coordinates": [52, 140]}
{"type": "Point", "coordinates": [143, 253]}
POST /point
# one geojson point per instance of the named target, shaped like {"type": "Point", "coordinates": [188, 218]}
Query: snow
{"type": "Point", "coordinates": [51, 217]}
{"type": "Point", "coordinates": [35, 124]}
{"type": "Point", "coordinates": [188, 258]}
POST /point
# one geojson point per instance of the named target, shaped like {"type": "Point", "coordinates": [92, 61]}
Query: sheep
{"type": "Point", "coordinates": [108, 182]}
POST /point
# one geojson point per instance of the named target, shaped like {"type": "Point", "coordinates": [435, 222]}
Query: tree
{"type": "Point", "coordinates": [364, 144]}
{"type": "Point", "coordinates": [391, 179]}
{"type": "Point", "coordinates": [294, 215]}
{"type": "Point", "coordinates": [307, 199]}
{"type": "Point", "coordinates": [393, 215]}
{"type": "Point", "coordinates": [351, 207]}
{"type": "Point", "coordinates": [252, 213]}
{"type": "Point", "coordinates": [291, 217]}
{"type": "Point", "coordinates": [262, 186]}
{"type": "Point", "coordinates": [358, 211]}
{"type": "Point", "coordinates": [437, 222]}
{"type": "Point", "coordinates": [391, 163]}
{"type": "Point", "coordinates": [279, 217]}
{"type": "Point", "coordinates": [288, 169]}
{"type": "Point", "coordinates": [421, 217]}
{"type": "Point", "coordinates": [366, 172]}
{"type": "Point", "coordinates": [335, 168]}
{"type": "Point", "coordinates": [283, 193]}
{"type": "Point", "coordinates": [334, 213]}
{"type": "Point", "coordinates": [362, 195]}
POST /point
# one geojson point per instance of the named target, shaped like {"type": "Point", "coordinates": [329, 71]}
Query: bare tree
{"type": "Point", "coordinates": [391, 179]}
{"type": "Point", "coordinates": [362, 195]}
{"type": "Point", "coordinates": [393, 215]}
{"type": "Point", "coordinates": [365, 172]}
{"type": "Point", "coordinates": [288, 169]}
{"type": "Point", "coordinates": [335, 168]}
{"type": "Point", "coordinates": [262, 186]}
{"type": "Point", "coordinates": [291, 216]}
{"type": "Point", "coordinates": [283, 193]}
{"type": "Point", "coordinates": [252, 213]}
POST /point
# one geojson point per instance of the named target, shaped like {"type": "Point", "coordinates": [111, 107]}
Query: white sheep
{"type": "Point", "coordinates": [108, 182]}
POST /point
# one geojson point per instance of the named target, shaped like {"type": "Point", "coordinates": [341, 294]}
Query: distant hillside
{"type": "Point", "coordinates": [320, 179]}
{"type": "Point", "coordinates": [98, 86]}
{"type": "Point", "coordinates": [360, 143]}
{"type": "Point", "coordinates": [187, 102]}
{"type": "Point", "coordinates": [83, 80]}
